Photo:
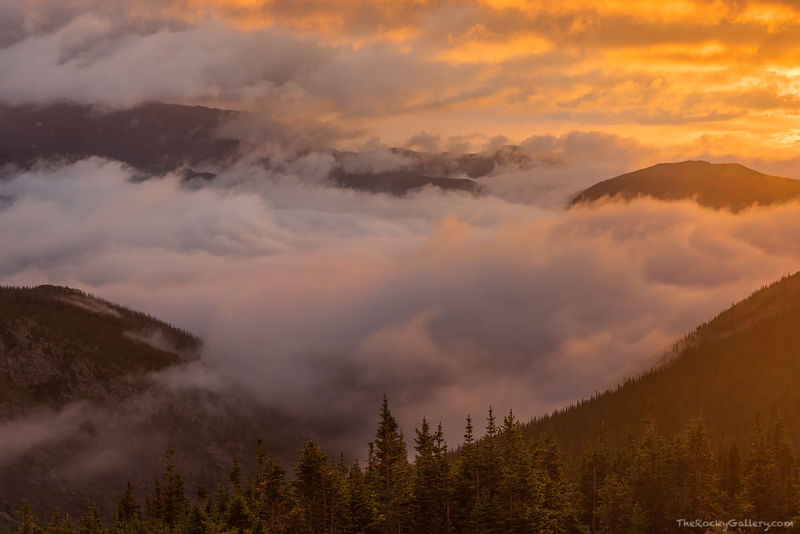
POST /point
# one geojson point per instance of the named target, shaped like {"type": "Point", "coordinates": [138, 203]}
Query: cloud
{"type": "Point", "coordinates": [87, 60]}
{"type": "Point", "coordinates": [317, 300]}
{"type": "Point", "coordinates": [22, 435]}
{"type": "Point", "coordinates": [664, 72]}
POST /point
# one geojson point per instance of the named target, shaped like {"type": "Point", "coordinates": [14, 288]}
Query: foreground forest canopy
{"type": "Point", "coordinates": [629, 460]}
{"type": "Point", "coordinates": [499, 483]}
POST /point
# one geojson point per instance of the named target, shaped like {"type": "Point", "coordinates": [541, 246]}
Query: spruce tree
{"type": "Point", "coordinates": [127, 516]}
{"type": "Point", "coordinates": [389, 474]}
{"type": "Point", "coordinates": [732, 472]}
{"type": "Point", "coordinates": [360, 510]}
{"type": "Point", "coordinates": [432, 488]}
{"type": "Point", "coordinates": [270, 490]}
{"type": "Point", "coordinates": [519, 491]}
{"type": "Point", "coordinates": [60, 524]}
{"type": "Point", "coordinates": [91, 523]}
{"type": "Point", "coordinates": [647, 476]}
{"type": "Point", "coordinates": [174, 501]}
{"type": "Point", "coordinates": [694, 474]}
{"type": "Point", "coordinates": [760, 490]}
{"type": "Point", "coordinates": [556, 509]}
{"type": "Point", "coordinates": [487, 514]}
{"type": "Point", "coordinates": [466, 482]}
{"type": "Point", "coordinates": [311, 486]}
{"type": "Point", "coordinates": [787, 481]}
{"type": "Point", "coordinates": [595, 466]}
{"type": "Point", "coordinates": [28, 522]}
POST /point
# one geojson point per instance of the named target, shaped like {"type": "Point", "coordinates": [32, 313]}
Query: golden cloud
{"type": "Point", "coordinates": [694, 66]}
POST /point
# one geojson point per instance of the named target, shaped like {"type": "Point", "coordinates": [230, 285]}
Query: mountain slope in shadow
{"type": "Point", "coordinates": [91, 394]}
{"type": "Point", "coordinates": [157, 138]}
{"type": "Point", "coordinates": [744, 362]}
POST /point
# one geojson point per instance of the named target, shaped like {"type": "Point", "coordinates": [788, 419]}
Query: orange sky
{"type": "Point", "coordinates": [721, 74]}
{"type": "Point", "coordinates": [650, 69]}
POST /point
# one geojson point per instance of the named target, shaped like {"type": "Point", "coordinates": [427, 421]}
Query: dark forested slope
{"type": "Point", "coordinates": [744, 362]}
{"type": "Point", "coordinates": [91, 393]}
{"type": "Point", "coordinates": [59, 345]}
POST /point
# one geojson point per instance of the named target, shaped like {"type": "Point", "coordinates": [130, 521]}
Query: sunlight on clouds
{"type": "Point", "coordinates": [773, 17]}
{"type": "Point", "coordinates": [668, 70]}
{"type": "Point", "coordinates": [666, 10]}
{"type": "Point", "coordinates": [479, 46]}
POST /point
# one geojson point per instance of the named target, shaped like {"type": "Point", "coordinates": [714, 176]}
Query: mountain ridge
{"type": "Point", "coordinates": [729, 186]}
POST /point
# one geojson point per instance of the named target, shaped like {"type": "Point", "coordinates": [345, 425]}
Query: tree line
{"type": "Point", "coordinates": [500, 483]}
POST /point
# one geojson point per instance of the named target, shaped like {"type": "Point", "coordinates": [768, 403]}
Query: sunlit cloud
{"type": "Point", "coordinates": [690, 68]}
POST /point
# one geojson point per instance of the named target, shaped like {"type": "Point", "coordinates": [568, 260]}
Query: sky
{"type": "Point", "coordinates": [710, 77]}
{"type": "Point", "coordinates": [318, 300]}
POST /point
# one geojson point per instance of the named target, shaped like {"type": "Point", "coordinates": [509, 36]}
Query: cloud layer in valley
{"type": "Point", "coordinates": [318, 300]}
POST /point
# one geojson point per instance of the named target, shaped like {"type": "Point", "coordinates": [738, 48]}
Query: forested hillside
{"type": "Point", "coordinates": [59, 344]}
{"type": "Point", "coordinates": [744, 362]}
{"type": "Point", "coordinates": [83, 407]}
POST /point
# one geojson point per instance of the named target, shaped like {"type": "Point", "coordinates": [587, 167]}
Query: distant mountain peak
{"type": "Point", "coordinates": [729, 186]}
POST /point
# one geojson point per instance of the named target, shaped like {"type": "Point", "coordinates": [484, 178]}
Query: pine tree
{"type": "Point", "coordinates": [154, 504]}
{"type": "Point", "coordinates": [519, 490]}
{"type": "Point", "coordinates": [432, 487]}
{"type": "Point", "coordinates": [787, 478]}
{"type": "Point", "coordinates": [28, 522]}
{"type": "Point", "coordinates": [128, 508]}
{"type": "Point", "coordinates": [127, 516]}
{"type": "Point", "coordinates": [235, 476]}
{"type": "Point", "coordinates": [338, 495]}
{"type": "Point", "coordinates": [360, 510]}
{"type": "Point", "coordinates": [694, 474]}
{"type": "Point", "coordinates": [443, 479]}
{"type": "Point", "coordinates": [270, 490]}
{"type": "Point", "coordinates": [732, 472]}
{"type": "Point", "coordinates": [60, 524]}
{"type": "Point", "coordinates": [466, 490]}
{"type": "Point", "coordinates": [760, 491]}
{"type": "Point", "coordinates": [312, 489]}
{"type": "Point", "coordinates": [238, 515]}
{"type": "Point", "coordinates": [389, 474]}
{"type": "Point", "coordinates": [647, 475]}
{"type": "Point", "coordinates": [91, 523]}
{"type": "Point", "coordinates": [487, 514]}
{"type": "Point", "coordinates": [616, 506]}
{"type": "Point", "coordinates": [174, 501]}
{"type": "Point", "coordinates": [424, 492]}
{"type": "Point", "coordinates": [595, 466]}
{"type": "Point", "coordinates": [556, 509]}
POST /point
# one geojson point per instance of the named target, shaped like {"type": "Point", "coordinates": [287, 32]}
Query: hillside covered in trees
{"type": "Point", "coordinates": [85, 405]}
{"type": "Point", "coordinates": [59, 344]}
{"type": "Point", "coordinates": [742, 363]}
